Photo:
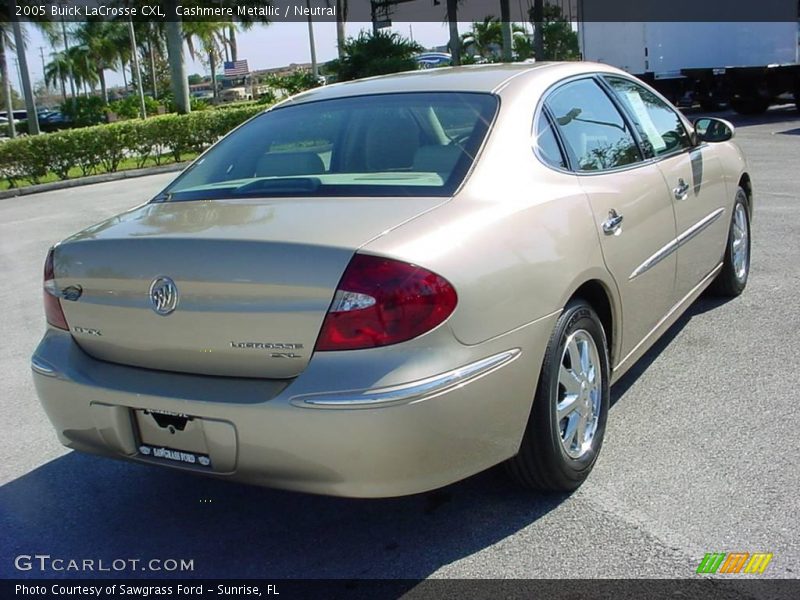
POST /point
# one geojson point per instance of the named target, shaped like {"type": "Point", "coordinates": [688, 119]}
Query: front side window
{"type": "Point", "coordinates": [659, 125]}
{"type": "Point", "coordinates": [412, 144]}
{"type": "Point", "coordinates": [592, 128]}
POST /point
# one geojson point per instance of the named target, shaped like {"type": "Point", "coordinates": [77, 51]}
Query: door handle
{"type": "Point", "coordinates": [613, 223]}
{"type": "Point", "coordinates": [682, 191]}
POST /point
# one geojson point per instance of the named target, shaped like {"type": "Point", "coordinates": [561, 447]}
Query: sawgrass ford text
{"type": "Point", "coordinates": [143, 591]}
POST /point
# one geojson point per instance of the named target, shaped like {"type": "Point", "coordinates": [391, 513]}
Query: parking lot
{"type": "Point", "coordinates": [700, 452]}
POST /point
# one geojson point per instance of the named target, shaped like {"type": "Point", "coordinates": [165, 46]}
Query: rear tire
{"type": "Point", "coordinates": [749, 104]}
{"type": "Point", "coordinates": [568, 418]}
{"type": "Point", "coordinates": [732, 279]}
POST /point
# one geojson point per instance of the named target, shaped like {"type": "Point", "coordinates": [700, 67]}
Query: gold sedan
{"type": "Point", "coordinates": [381, 287]}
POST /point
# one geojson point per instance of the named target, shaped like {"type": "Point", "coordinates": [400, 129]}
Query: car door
{"type": "Point", "coordinates": [633, 215]}
{"type": "Point", "coordinates": [693, 178]}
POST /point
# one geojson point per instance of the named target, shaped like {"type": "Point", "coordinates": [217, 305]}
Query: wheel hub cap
{"type": "Point", "coordinates": [741, 242]}
{"type": "Point", "coordinates": [580, 386]}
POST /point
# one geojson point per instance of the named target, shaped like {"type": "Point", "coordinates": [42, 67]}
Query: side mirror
{"type": "Point", "coordinates": [709, 129]}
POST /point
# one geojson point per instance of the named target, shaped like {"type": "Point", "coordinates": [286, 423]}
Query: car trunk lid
{"type": "Point", "coordinates": [253, 280]}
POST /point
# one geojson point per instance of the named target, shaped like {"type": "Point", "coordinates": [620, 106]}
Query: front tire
{"type": "Point", "coordinates": [568, 419]}
{"type": "Point", "coordinates": [732, 279]}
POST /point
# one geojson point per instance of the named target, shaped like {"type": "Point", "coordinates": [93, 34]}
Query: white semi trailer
{"type": "Point", "coordinates": [746, 65]}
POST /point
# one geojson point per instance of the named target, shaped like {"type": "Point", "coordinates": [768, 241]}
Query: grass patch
{"type": "Point", "coordinates": [126, 164]}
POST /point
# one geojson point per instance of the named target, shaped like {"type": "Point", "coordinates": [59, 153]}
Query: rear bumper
{"type": "Point", "coordinates": [389, 437]}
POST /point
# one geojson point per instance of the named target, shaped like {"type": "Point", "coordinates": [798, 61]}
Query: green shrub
{"type": "Point", "coordinates": [129, 108]}
{"type": "Point", "coordinates": [103, 147]}
{"type": "Point", "coordinates": [295, 82]}
{"type": "Point", "coordinates": [62, 149]}
{"type": "Point", "coordinates": [17, 161]}
{"type": "Point", "coordinates": [371, 54]}
{"type": "Point", "coordinates": [84, 111]}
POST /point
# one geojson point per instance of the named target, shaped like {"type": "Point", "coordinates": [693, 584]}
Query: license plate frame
{"type": "Point", "coordinates": [175, 455]}
{"type": "Point", "coordinates": [171, 437]}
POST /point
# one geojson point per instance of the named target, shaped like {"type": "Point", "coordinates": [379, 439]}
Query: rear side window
{"type": "Point", "coordinates": [658, 123]}
{"type": "Point", "coordinates": [546, 143]}
{"type": "Point", "coordinates": [593, 129]}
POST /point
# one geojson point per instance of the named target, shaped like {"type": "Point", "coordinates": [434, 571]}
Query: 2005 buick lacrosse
{"type": "Point", "coordinates": [381, 287]}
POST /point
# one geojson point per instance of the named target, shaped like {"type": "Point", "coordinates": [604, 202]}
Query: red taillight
{"type": "Point", "coordinates": [381, 301]}
{"type": "Point", "coordinates": [52, 305]}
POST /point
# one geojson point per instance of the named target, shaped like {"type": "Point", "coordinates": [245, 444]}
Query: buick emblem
{"type": "Point", "coordinates": [163, 295]}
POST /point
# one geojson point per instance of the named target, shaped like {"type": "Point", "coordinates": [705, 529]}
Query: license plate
{"type": "Point", "coordinates": [174, 455]}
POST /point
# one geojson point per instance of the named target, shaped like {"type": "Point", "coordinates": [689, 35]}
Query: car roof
{"type": "Point", "coordinates": [472, 78]}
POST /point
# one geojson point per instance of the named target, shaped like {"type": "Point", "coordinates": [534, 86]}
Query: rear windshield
{"type": "Point", "coordinates": [409, 144]}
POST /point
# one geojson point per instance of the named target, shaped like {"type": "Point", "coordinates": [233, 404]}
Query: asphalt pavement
{"type": "Point", "coordinates": [700, 453]}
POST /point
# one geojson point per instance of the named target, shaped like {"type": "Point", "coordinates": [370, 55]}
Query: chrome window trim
{"type": "Point", "coordinates": [595, 76]}
{"type": "Point", "coordinates": [407, 392]}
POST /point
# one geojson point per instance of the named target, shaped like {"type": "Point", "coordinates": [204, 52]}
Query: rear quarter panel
{"type": "Point", "coordinates": [515, 241]}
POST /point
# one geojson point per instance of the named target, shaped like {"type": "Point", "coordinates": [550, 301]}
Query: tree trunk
{"type": "Point", "coordinates": [27, 89]}
{"type": "Point", "coordinates": [124, 76]}
{"type": "Point", "coordinates": [212, 63]}
{"type": "Point", "coordinates": [12, 130]}
{"type": "Point", "coordinates": [136, 72]}
{"type": "Point", "coordinates": [341, 19]}
{"type": "Point", "coordinates": [153, 68]}
{"type": "Point", "coordinates": [311, 43]}
{"type": "Point", "coordinates": [538, 34]}
{"type": "Point", "coordinates": [101, 75]}
{"type": "Point", "coordinates": [63, 87]}
{"type": "Point", "coordinates": [177, 66]}
{"type": "Point", "coordinates": [505, 25]}
{"type": "Point", "coordinates": [455, 40]}
{"type": "Point", "coordinates": [232, 42]}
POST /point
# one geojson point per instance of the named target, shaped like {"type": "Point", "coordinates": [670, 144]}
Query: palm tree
{"type": "Point", "coordinates": [507, 30]}
{"type": "Point", "coordinates": [341, 20]}
{"type": "Point", "coordinates": [210, 37]}
{"type": "Point", "coordinates": [151, 36]}
{"type": "Point", "coordinates": [455, 40]}
{"type": "Point", "coordinates": [56, 71]}
{"type": "Point", "coordinates": [177, 65]}
{"type": "Point", "coordinates": [485, 37]}
{"type": "Point", "coordinates": [244, 24]}
{"type": "Point", "coordinates": [99, 40]}
{"type": "Point", "coordinates": [84, 69]}
{"type": "Point", "coordinates": [6, 10]}
{"type": "Point", "coordinates": [5, 42]}
{"type": "Point", "coordinates": [537, 14]}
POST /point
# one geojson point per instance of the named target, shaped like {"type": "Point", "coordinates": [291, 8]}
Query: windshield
{"type": "Point", "coordinates": [409, 144]}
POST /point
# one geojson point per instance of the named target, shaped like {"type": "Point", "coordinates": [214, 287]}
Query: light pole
{"type": "Point", "coordinates": [314, 69]}
{"type": "Point", "coordinates": [136, 71]}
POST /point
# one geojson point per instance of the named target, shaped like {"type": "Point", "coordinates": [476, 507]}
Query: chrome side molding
{"type": "Point", "coordinates": [406, 392]}
{"type": "Point", "coordinates": [43, 368]}
{"type": "Point", "coordinates": [679, 241]}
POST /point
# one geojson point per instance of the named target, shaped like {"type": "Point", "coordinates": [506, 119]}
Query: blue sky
{"type": "Point", "coordinates": [275, 45]}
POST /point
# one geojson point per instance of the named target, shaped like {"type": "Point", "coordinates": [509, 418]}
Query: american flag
{"type": "Point", "coordinates": [236, 68]}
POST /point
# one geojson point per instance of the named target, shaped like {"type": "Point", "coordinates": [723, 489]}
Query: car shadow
{"type": "Point", "coordinates": [79, 506]}
{"type": "Point", "coordinates": [703, 304]}
{"type": "Point", "coordinates": [84, 507]}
